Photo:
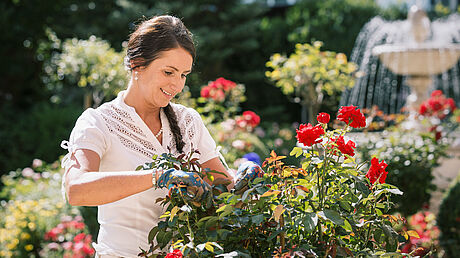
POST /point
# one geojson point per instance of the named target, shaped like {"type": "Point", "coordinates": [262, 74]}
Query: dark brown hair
{"type": "Point", "coordinates": [151, 37]}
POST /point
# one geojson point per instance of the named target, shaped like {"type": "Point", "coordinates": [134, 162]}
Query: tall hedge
{"type": "Point", "coordinates": [449, 220]}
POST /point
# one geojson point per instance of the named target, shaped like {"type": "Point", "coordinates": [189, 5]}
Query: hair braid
{"type": "Point", "coordinates": [172, 119]}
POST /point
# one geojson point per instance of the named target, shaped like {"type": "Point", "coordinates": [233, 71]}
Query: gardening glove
{"type": "Point", "coordinates": [246, 173]}
{"type": "Point", "coordinates": [192, 186]}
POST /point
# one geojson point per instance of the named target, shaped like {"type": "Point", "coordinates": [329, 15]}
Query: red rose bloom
{"type": "Point", "coordinates": [377, 171]}
{"type": "Point", "coordinates": [323, 118]}
{"type": "Point", "coordinates": [174, 254]}
{"type": "Point", "coordinates": [308, 134]}
{"type": "Point", "coordinates": [437, 105]}
{"type": "Point", "coordinates": [225, 84]}
{"type": "Point", "coordinates": [252, 118]}
{"type": "Point", "coordinates": [436, 93]}
{"type": "Point", "coordinates": [248, 118]}
{"type": "Point", "coordinates": [352, 117]}
{"type": "Point", "coordinates": [345, 148]}
{"type": "Point", "coordinates": [205, 92]}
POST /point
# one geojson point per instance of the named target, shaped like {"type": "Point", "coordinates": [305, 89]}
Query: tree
{"type": "Point", "coordinates": [308, 75]}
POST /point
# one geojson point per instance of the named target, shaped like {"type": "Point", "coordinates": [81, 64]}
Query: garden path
{"type": "Point", "coordinates": [444, 175]}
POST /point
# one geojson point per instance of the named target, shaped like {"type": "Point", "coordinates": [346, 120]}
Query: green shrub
{"type": "Point", "coordinates": [36, 133]}
{"type": "Point", "coordinates": [448, 220]}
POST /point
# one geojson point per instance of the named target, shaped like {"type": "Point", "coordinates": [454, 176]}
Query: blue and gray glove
{"type": "Point", "coordinates": [246, 173]}
{"type": "Point", "coordinates": [196, 188]}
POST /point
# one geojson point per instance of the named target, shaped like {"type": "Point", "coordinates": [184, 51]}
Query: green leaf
{"type": "Point", "coordinates": [258, 180]}
{"type": "Point", "coordinates": [223, 195]}
{"type": "Point", "coordinates": [274, 234]}
{"type": "Point", "coordinates": [297, 151]}
{"type": "Point", "coordinates": [331, 215]}
{"type": "Point", "coordinates": [173, 213]}
{"type": "Point", "coordinates": [223, 233]}
{"type": "Point", "coordinates": [153, 233]}
{"type": "Point", "coordinates": [310, 221]}
{"type": "Point", "coordinates": [211, 222]}
{"type": "Point", "coordinates": [345, 205]}
{"type": "Point", "coordinates": [390, 238]}
{"type": "Point", "coordinates": [347, 226]}
{"type": "Point", "coordinates": [222, 208]}
{"type": "Point", "coordinates": [209, 247]}
{"type": "Point", "coordinates": [257, 219]}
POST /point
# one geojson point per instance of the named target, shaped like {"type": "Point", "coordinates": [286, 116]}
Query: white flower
{"type": "Point", "coordinates": [238, 144]}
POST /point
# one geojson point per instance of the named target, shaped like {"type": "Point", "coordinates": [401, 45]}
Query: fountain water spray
{"type": "Point", "coordinates": [416, 53]}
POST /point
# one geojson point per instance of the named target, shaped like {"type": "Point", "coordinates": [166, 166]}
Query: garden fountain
{"type": "Point", "coordinates": [402, 57]}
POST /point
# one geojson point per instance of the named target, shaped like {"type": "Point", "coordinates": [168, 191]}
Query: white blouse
{"type": "Point", "coordinates": [123, 141]}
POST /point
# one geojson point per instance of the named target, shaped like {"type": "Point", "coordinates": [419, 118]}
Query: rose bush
{"type": "Point", "coordinates": [32, 208]}
{"type": "Point", "coordinates": [326, 206]}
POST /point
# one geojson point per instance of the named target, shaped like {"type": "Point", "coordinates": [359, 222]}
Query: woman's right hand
{"type": "Point", "coordinates": [196, 188]}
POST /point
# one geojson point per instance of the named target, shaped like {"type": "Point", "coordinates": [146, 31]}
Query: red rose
{"type": "Point", "coordinates": [436, 93]}
{"type": "Point", "coordinates": [352, 117]}
{"type": "Point", "coordinates": [174, 254]}
{"type": "Point", "coordinates": [308, 134]}
{"type": "Point", "coordinates": [377, 171]}
{"type": "Point", "coordinates": [218, 95]}
{"type": "Point", "coordinates": [79, 237]}
{"type": "Point", "coordinates": [252, 118]}
{"type": "Point", "coordinates": [323, 118]}
{"type": "Point", "coordinates": [435, 104]}
{"type": "Point", "coordinates": [345, 148]}
{"type": "Point", "coordinates": [225, 84]}
{"type": "Point", "coordinates": [423, 109]}
{"type": "Point", "coordinates": [205, 92]}
{"type": "Point", "coordinates": [248, 119]}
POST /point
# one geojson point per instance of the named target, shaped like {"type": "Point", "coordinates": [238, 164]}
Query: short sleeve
{"type": "Point", "coordinates": [205, 143]}
{"type": "Point", "coordinates": [88, 133]}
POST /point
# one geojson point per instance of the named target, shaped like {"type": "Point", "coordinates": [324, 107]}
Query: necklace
{"type": "Point", "coordinates": [159, 132]}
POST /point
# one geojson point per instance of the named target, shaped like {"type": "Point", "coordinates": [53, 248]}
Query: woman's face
{"type": "Point", "coordinates": [164, 77]}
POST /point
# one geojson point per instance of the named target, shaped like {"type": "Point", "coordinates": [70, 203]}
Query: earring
{"type": "Point", "coordinates": [135, 76]}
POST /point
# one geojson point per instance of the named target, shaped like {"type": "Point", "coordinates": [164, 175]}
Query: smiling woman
{"type": "Point", "coordinates": [109, 142]}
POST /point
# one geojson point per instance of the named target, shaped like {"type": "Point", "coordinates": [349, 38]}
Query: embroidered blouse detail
{"type": "Point", "coordinates": [129, 138]}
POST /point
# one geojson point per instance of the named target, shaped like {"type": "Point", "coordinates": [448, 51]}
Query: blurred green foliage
{"type": "Point", "coordinates": [234, 40]}
{"type": "Point", "coordinates": [90, 64]}
{"type": "Point", "coordinates": [448, 220]}
{"type": "Point", "coordinates": [34, 134]}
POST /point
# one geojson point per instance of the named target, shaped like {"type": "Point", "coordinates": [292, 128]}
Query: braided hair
{"type": "Point", "coordinates": [151, 37]}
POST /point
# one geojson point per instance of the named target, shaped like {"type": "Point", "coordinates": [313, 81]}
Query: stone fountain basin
{"type": "Point", "coordinates": [419, 59]}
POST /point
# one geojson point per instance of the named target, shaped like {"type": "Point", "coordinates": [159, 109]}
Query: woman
{"type": "Point", "coordinates": [108, 143]}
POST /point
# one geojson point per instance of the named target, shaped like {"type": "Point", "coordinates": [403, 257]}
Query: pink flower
{"type": "Point", "coordinates": [37, 163]}
{"type": "Point", "coordinates": [67, 245]}
{"type": "Point", "coordinates": [27, 172]}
